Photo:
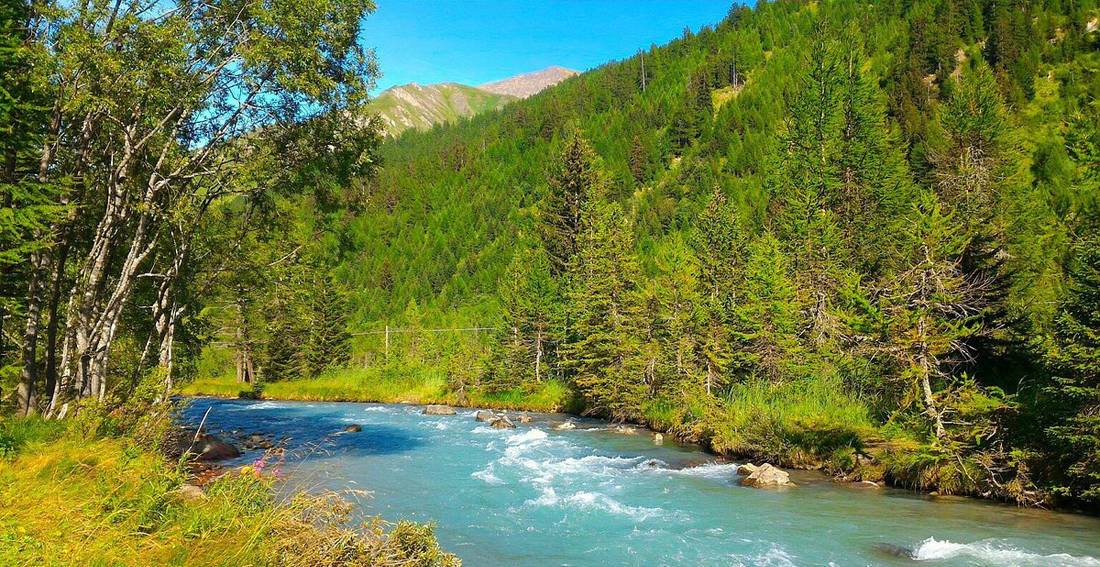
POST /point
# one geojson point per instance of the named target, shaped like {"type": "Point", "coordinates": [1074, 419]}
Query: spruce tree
{"type": "Point", "coordinates": [972, 164]}
{"type": "Point", "coordinates": [639, 161]}
{"type": "Point", "coordinates": [601, 354]}
{"type": "Point", "coordinates": [574, 180]}
{"type": "Point", "coordinates": [767, 315]}
{"type": "Point", "coordinates": [329, 339]}
{"type": "Point", "coordinates": [932, 308]}
{"type": "Point", "coordinates": [874, 187]}
{"type": "Point", "coordinates": [1074, 360]}
{"type": "Point", "coordinates": [525, 341]}
{"type": "Point", "coordinates": [283, 352]}
{"type": "Point", "coordinates": [676, 290]}
{"type": "Point", "coordinates": [718, 246]}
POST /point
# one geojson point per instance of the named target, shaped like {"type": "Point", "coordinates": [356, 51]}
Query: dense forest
{"type": "Point", "coordinates": [861, 236]}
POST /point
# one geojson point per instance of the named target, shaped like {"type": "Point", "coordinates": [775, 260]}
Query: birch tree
{"type": "Point", "coordinates": [154, 105]}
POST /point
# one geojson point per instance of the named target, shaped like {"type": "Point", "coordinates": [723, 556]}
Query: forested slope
{"type": "Point", "coordinates": [854, 234]}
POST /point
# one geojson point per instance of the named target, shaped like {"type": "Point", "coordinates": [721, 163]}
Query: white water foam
{"type": "Point", "coordinates": [527, 437]}
{"type": "Point", "coordinates": [378, 408]}
{"type": "Point", "coordinates": [587, 501]}
{"type": "Point", "coordinates": [996, 552]}
{"type": "Point", "coordinates": [265, 405]}
{"type": "Point", "coordinates": [486, 475]}
{"type": "Point", "coordinates": [717, 471]}
{"type": "Point", "coordinates": [774, 557]}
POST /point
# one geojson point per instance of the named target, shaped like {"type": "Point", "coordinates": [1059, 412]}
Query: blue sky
{"type": "Point", "coordinates": [478, 41]}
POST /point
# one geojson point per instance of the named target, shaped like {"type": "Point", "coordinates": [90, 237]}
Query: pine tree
{"type": "Point", "coordinates": [1074, 360]}
{"type": "Point", "coordinates": [971, 167]}
{"type": "Point", "coordinates": [933, 307]}
{"type": "Point", "coordinates": [530, 301]}
{"type": "Point", "coordinates": [575, 179]}
{"type": "Point", "coordinates": [601, 354]}
{"type": "Point", "coordinates": [718, 246]}
{"type": "Point", "coordinates": [639, 161]}
{"type": "Point", "coordinates": [329, 339]}
{"type": "Point", "coordinates": [767, 316]}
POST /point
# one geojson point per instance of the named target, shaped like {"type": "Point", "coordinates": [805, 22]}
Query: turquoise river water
{"type": "Point", "coordinates": [592, 496]}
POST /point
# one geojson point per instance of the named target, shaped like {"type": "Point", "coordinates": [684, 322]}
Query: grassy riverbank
{"type": "Point", "coordinates": [794, 425]}
{"type": "Point", "coordinates": [68, 498]}
{"type": "Point", "coordinates": [802, 425]}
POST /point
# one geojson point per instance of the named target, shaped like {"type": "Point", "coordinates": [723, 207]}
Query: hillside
{"type": "Point", "coordinates": [527, 84]}
{"type": "Point", "coordinates": [416, 106]}
{"type": "Point", "coordinates": [837, 234]}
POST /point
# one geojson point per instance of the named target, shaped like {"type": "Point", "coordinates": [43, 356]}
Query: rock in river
{"type": "Point", "coordinates": [746, 469]}
{"type": "Point", "coordinates": [767, 475]}
{"type": "Point", "coordinates": [565, 426]}
{"type": "Point", "coordinates": [485, 416]}
{"type": "Point", "coordinates": [524, 418]}
{"type": "Point", "coordinates": [439, 410]}
{"type": "Point", "coordinates": [354, 428]}
{"type": "Point", "coordinates": [502, 422]}
{"type": "Point", "coordinates": [208, 448]}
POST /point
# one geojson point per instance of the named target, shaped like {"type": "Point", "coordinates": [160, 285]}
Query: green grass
{"type": "Point", "coordinates": [391, 384]}
{"type": "Point", "coordinates": [70, 500]}
{"type": "Point", "coordinates": [805, 424]}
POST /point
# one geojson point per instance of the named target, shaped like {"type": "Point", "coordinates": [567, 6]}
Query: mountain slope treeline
{"type": "Point", "coordinates": [859, 236]}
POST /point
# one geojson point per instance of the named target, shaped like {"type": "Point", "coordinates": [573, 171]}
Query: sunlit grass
{"type": "Point", "coordinates": [69, 500]}
{"type": "Point", "coordinates": [409, 385]}
{"type": "Point", "coordinates": [799, 423]}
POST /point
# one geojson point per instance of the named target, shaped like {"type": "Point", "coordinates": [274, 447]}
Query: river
{"type": "Point", "coordinates": [534, 496]}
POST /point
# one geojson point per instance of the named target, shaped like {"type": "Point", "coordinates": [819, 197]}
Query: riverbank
{"type": "Point", "coordinates": [72, 498]}
{"type": "Point", "coordinates": [791, 427]}
{"type": "Point", "coordinates": [794, 426]}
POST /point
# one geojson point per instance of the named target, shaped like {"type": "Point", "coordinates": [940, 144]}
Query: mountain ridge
{"type": "Point", "coordinates": [416, 106]}
{"type": "Point", "coordinates": [527, 84]}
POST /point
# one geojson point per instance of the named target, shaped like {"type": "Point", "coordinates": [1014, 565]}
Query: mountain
{"type": "Point", "coordinates": [421, 107]}
{"type": "Point", "coordinates": [527, 84]}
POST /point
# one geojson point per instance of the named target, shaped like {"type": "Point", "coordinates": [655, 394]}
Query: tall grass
{"type": "Point", "coordinates": [69, 500]}
{"type": "Point", "coordinates": [799, 423]}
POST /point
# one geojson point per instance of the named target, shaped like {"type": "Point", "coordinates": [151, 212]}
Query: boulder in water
{"type": "Point", "coordinates": [353, 428]}
{"type": "Point", "coordinates": [435, 409]}
{"type": "Point", "coordinates": [746, 469]}
{"type": "Point", "coordinates": [502, 422]}
{"type": "Point", "coordinates": [524, 418]}
{"type": "Point", "coordinates": [208, 448]}
{"type": "Point", "coordinates": [658, 439]}
{"type": "Point", "coordinates": [565, 426]}
{"type": "Point", "coordinates": [485, 416]}
{"type": "Point", "coordinates": [891, 550]}
{"type": "Point", "coordinates": [767, 475]}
